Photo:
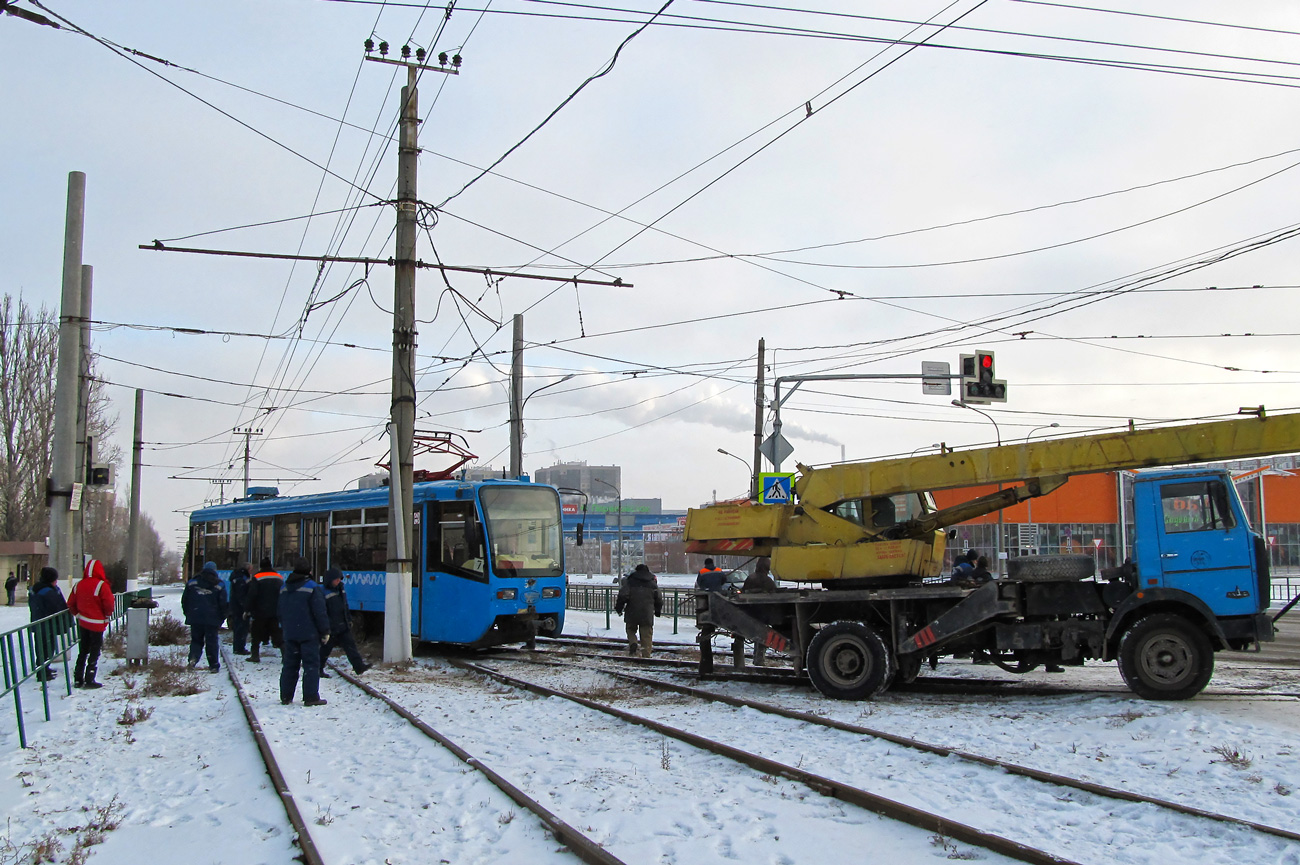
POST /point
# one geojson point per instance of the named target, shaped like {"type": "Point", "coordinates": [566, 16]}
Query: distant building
{"type": "Point", "coordinates": [600, 483]}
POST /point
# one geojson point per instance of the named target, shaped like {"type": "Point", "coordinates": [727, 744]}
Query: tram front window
{"type": "Point", "coordinates": [523, 531]}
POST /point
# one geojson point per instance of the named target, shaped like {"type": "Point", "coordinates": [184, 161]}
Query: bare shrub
{"type": "Point", "coordinates": [134, 715]}
{"type": "Point", "coordinates": [167, 630]}
{"type": "Point", "coordinates": [166, 677]}
{"type": "Point", "coordinates": [1230, 755]}
{"type": "Point", "coordinates": [115, 644]}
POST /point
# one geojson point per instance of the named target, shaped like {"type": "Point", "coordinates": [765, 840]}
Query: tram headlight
{"type": "Point", "coordinates": [507, 594]}
{"type": "Point", "coordinates": [551, 592]}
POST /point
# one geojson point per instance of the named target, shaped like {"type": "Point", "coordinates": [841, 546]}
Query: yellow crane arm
{"type": "Point", "coordinates": [1164, 446]}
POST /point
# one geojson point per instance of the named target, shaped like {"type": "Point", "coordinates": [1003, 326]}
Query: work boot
{"type": "Point", "coordinates": [254, 658]}
{"type": "Point", "coordinates": [362, 668]}
{"type": "Point", "coordinates": [45, 674]}
{"type": "Point", "coordinates": [91, 684]}
{"type": "Point", "coordinates": [325, 675]}
{"type": "Point", "coordinates": [316, 702]}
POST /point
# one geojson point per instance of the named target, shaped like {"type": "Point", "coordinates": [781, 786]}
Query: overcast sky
{"type": "Point", "coordinates": [1036, 179]}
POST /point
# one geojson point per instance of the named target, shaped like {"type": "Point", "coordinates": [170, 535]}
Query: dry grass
{"type": "Point", "coordinates": [167, 630]}
{"type": "Point", "coordinates": [1232, 756]}
{"type": "Point", "coordinates": [134, 715]}
{"type": "Point", "coordinates": [169, 677]}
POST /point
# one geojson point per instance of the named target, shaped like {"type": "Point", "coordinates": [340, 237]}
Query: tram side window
{"type": "Point", "coordinates": [286, 541]}
{"type": "Point", "coordinates": [358, 548]}
{"type": "Point", "coordinates": [260, 536]}
{"type": "Point", "coordinates": [449, 549]}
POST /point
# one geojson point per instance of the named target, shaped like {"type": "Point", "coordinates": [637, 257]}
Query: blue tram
{"type": "Point", "coordinates": [489, 566]}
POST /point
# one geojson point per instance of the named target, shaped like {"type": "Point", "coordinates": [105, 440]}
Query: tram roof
{"type": "Point", "coordinates": [344, 499]}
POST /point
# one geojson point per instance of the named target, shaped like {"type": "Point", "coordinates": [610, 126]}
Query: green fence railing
{"type": "Point", "coordinates": [600, 599]}
{"type": "Point", "coordinates": [27, 650]}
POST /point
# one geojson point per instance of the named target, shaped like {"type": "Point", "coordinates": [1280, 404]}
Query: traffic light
{"type": "Point", "coordinates": [979, 383]}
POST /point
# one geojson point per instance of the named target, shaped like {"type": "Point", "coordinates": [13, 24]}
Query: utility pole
{"type": "Point", "coordinates": [133, 527]}
{"type": "Point", "coordinates": [517, 399]}
{"type": "Point", "coordinates": [759, 405]}
{"type": "Point", "coordinates": [85, 455]}
{"type": "Point", "coordinates": [397, 589]}
{"type": "Point", "coordinates": [247, 433]}
{"type": "Point", "coordinates": [60, 492]}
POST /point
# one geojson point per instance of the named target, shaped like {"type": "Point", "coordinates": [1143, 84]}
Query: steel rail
{"type": "Point", "coordinates": [581, 846]}
{"type": "Point", "coordinates": [310, 855]}
{"type": "Point", "coordinates": [941, 751]}
{"type": "Point", "coordinates": [873, 802]}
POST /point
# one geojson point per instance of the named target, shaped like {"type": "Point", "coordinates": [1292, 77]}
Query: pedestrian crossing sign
{"type": "Point", "coordinates": [774, 488]}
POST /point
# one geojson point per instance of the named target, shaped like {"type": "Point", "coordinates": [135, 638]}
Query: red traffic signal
{"type": "Point", "coordinates": [979, 382]}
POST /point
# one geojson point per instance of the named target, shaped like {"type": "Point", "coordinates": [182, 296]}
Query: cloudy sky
{"type": "Point", "coordinates": [1105, 199]}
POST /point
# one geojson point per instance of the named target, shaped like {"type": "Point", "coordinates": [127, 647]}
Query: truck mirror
{"type": "Point", "coordinates": [578, 534]}
{"type": "Point", "coordinates": [952, 533]}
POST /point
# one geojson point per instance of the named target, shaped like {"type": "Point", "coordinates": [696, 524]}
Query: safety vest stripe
{"type": "Point", "coordinates": [90, 620]}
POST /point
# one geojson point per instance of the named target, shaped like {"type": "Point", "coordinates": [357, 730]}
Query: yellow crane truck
{"type": "Point", "coordinates": [864, 544]}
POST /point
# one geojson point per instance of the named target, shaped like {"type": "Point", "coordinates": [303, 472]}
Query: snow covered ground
{"type": "Point", "coordinates": [186, 785]}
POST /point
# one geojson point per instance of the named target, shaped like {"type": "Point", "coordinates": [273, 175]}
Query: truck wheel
{"type": "Point", "coordinates": [1165, 657]}
{"type": "Point", "coordinates": [1044, 569]}
{"type": "Point", "coordinates": [849, 661]}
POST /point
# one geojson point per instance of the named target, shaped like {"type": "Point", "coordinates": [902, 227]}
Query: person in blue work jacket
{"type": "Point", "coordinates": [205, 607]}
{"type": "Point", "coordinates": [336, 607]}
{"type": "Point", "coordinates": [44, 601]}
{"type": "Point", "coordinates": [306, 626]}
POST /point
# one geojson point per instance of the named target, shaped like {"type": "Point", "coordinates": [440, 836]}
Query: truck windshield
{"type": "Point", "coordinates": [523, 530]}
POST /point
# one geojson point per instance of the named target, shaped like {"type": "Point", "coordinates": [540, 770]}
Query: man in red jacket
{"type": "Point", "coordinates": [91, 604]}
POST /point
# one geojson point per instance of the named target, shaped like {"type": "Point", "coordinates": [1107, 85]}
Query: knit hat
{"type": "Point", "coordinates": [302, 566]}
{"type": "Point", "coordinates": [210, 568]}
{"type": "Point", "coordinates": [333, 575]}
{"type": "Point", "coordinates": [643, 568]}
{"type": "Point", "coordinates": [49, 575]}
{"type": "Point", "coordinates": [266, 564]}
{"type": "Point", "coordinates": [94, 568]}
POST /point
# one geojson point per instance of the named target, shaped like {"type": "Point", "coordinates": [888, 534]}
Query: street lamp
{"type": "Point", "coordinates": [517, 427]}
{"type": "Point", "coordinates": [998, 432]}
{"type": "Point", "coordinates": [618, 493]}
{"type": "Point", "coordinates": [1029, 502]}
{"type": "Point", "coordinates": [925, 447]}
{"type": "Point", "coordinates": [743, 463]}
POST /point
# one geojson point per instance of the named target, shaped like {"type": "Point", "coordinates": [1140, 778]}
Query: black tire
{"type": "Point", "coordinates": [1045, 569]}
{"type": "Point", "coordinates": [1165, 657]}
{"type": "Point", "coordinates": [849, 661]}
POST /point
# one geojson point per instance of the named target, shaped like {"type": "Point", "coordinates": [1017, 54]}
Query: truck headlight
{"type": "Point", "coordinates": [507, 594]}
{"type": "Point", "coordinates": [551, 592]}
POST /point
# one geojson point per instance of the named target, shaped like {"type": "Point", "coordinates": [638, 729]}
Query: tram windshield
{"type": "Point", "coordinates": [523, 529]}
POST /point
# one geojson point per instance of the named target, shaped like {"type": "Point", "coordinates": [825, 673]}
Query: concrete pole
{"type": "Point", "coordinates": [397, 593]}
{"type": "Point", "coordinates": [759, 393]}
{"type": "Point", "coordinates": [133, 528]}
{"type": "Point", "coordinates": [85, 448]}
{"type": "Point", "coordinates": [64, 446]}
{"type": "Point", "coordinates": [517, 399]}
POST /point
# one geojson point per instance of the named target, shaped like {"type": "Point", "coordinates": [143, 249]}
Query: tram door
{"type": "Point", "coordinates": [453, 585]}
{"type": "Point", "coordinates": [315, 543]}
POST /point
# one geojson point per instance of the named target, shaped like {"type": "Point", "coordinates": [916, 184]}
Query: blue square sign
{"type": "Point", "coordinates": [774, 488]}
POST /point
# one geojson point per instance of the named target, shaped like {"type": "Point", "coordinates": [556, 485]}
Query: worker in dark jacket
{"type": "Point", "coordinates": [205, 607]}
{"type": "Point", "coordinates": [260, 609]}
{"type": "Point", "coordinates": [306, 627]}
{"type": "Point", "coordinates": [11, 588]}
{"type": "Point", "coordinates": [336, 608]}
{"type": "Point", "coordinates": [239, 579]}
{"type": "Point", "coordinates": [759, 581]}
{"type": "Point", "coordinates": [639, 601]}
{"type": "Point", "coordinates": [710, 579]}
{"type": "Point", "coordinates": [44, 601]}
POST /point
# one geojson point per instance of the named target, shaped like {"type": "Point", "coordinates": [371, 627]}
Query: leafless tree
{"type": "Point", "coordinates": [28, 352]}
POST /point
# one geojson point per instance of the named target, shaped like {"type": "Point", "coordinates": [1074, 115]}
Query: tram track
{"type": "Point", "coordinates": [833, 787]}
{"type": "Point", "coordinates": [944, 751]}
{"type": "Point", "coordinates": [575, 843]}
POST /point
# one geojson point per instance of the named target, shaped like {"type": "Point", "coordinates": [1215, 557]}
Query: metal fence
{"type": "Point", "coordinates": [600, 599]}
{"type": "Point", "coordinates": [27, 650]}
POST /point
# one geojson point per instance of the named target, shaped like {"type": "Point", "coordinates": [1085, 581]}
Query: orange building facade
{"type": "Point", "coordinates": [1084, 516]}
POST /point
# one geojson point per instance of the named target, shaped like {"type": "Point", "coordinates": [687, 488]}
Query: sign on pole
{"type": "Point", "coordinates": [940, 384]}
{"type": "Point", "coordinates": [774, 488]}
{"type": "Point", "coordinates": [776, 448]}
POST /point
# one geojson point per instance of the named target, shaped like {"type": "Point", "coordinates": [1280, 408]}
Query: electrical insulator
{"type": "Point", "coordinates": [442, 57]}
{"type": "Point", "coordinates": [370, 45]}
{"type": "Point", "coordinates": [455, 60]}
{"type": "Point", "coordinates": [406, 52]}
{"type": "Point", "coordinates": [419, 55]}
{"type": "Point", "coordinates": [383, 48]}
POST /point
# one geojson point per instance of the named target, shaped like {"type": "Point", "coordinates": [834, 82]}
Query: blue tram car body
{"type": "Point", "coordinates": [489, 565]}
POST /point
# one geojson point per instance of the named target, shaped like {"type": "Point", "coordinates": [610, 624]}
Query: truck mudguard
{"type": "Point", "coordinates": [1123, 614]}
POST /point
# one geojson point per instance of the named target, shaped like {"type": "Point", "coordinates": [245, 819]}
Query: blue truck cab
{"type": "Point", "coordinates": [1198, 583]}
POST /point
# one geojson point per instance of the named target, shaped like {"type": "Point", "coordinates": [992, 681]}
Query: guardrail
{"type": "Point", "coordinates": [1284, 589]}
{"type": "Point", "coordinates": [678, 602]}
{"type": "Point", "coordinates": [26, 650]}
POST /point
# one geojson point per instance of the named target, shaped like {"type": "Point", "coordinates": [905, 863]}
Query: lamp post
{"type": "Point", "coordinates": [1029, 502]}
{"type": "Point", "coordinates": [618, 493]}
{"type": "Point", "coordinates": [742, 462]}
{"type": "Point", "coordinates": [997, 431]}
{"type": "Point", "coordinates": [517, 425]}
{"type": "Point", "coordinates": [925, 448]}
